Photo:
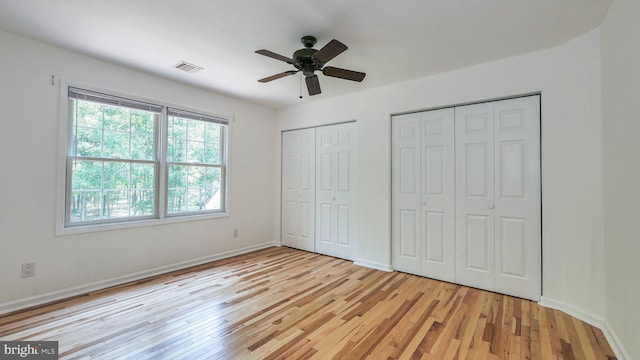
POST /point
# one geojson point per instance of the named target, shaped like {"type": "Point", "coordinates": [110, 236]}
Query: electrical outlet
{"type": "Point", "coordinates": [28, 270]}
{"type": "Point", "coordinates": [235, 233]}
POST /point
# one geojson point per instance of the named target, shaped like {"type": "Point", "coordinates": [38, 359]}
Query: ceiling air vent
{"type": "Point", "coordinates": [187, 67]}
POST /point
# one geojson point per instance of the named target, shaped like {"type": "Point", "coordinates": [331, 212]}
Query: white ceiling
{"type": "Point", "coordinates": [392, 41]}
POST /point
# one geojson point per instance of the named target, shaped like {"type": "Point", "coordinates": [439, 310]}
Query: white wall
{"type": "Point", "coordinates": [621, 126]}
{"type": "Point", "coordinates": [568, 77]}
{"type": "Point", "coordinates": [28, 144]}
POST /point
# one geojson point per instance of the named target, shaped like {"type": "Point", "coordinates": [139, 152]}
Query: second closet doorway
{"type": "Point", "coordinates": [318, 197]}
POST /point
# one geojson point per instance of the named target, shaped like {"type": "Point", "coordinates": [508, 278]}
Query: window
{"type": "Point", "coordinates": [115, 161]}
{"type": "Point", "coordinates": [195, 162]}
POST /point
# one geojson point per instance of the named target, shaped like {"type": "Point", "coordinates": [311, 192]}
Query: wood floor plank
{"type": "Point", "coordinates": [281, 303]}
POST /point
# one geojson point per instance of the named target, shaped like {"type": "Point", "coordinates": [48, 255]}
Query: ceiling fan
{"type": "Point", "coordinates": [308, 60]}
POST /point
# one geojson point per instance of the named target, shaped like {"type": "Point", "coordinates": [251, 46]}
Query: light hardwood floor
{"type": "Point", "coordinates": [281, 303]}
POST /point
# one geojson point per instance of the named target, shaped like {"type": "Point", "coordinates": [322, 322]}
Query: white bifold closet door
{"type": "Point", "coordinates": [498, 205]}
{"type": "Point", "coordinates": [466, 195]}
{"type": "Point", "coordinates": [318, 197]}
{"type": "Point", "coordinates": [335, 196]}
{"type": "Point", "coordinates": [423, 190]}
{"type": "Point", "coordinates": [298, 189]}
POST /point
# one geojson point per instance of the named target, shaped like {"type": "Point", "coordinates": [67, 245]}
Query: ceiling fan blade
{"type": "Point", "coordinates": [273, 55]}
{"type": "Point", "coordinates": [343, 73]}
{"type": "Point", "coordinates": [313, 85]}
{"type": "Point", "coordinates": [278, 76]}
{"type": "Point", "coordinates": [329, 51]}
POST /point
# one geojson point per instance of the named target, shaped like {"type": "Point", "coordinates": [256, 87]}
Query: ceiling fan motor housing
{"type": "Point", "coordinates": [303, 60]}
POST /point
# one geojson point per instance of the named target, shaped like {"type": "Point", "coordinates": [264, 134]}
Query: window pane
{"type": "Point", "coordinates": [142, 202]}
{"type": "Point", "coordinates": [87, 175]}
{"type": "Point", "coordinates": [194, 199]}
{"type": "Point", "coordinates": [213, 181]}
{"type": "Point", "coordinates": [195, 152]}
{"type": "Point", "coordinates": [142, 189]}
{"type": "Point", "coordinates": [142, 176]}
{"type": "Point", "coordinates": [212, 135]}
{"type": "Point", "coordinates": [177, 188]}
{"type": "Point", "coordinates": [176, 199]}
{"type": "Point", "coordinates": [195, 176]}
{"type": "Point", "coordinates": [176, 150]}
{"type": "Point", "coordinates": [142, 122]}
{"type": "Point", "coordinates": [195, 130]}
{"type": "Point", "coordinates": [87, 114]}
{"type": "Point", "coordinates": [86, 194]}
{"type": "Point", "coordinates": [116, 118]}
{"type": "Point", "coordinates": [142, 135]}
{"type": "Point", "coordinates": [177, 139]}
{"type": "Point", "coordinates": [141, 147]}
{"type": "Point", "coordinates": [177, 177]}
{"type": "Point", "coordinates": [212, 152]}
{"type": "Point", "coordinates": [116, 176]}
{"type": "Point", "coordinates": [116, 203]}
{"type": "Point", "coordinates": [85, 205]}
{"type": "Point", "coordinates": [89, 142]}
{"type": "Point", "coordinates": [212, 155]}
{"type": "Point", "coordinates": [177, 185]}
{"type": "Point", "coordinates": [116, 145]}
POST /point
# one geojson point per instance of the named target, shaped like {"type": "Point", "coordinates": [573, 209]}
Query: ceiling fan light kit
{"type": "Point", "coordinates": [309, 60]}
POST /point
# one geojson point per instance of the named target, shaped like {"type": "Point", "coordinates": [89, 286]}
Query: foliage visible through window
{"type": "Point", "coordinates": [113, 161]}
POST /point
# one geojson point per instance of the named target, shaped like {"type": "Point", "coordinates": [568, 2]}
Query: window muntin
{"type": "Point", "coordinates": [114, 160]}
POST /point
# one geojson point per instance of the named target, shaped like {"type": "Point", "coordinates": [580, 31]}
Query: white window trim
{"type": "Point", "coordinates": [64, 141]}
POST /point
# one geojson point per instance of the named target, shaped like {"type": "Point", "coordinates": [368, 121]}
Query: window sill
{"type": "Point", "coordinates": [62, 231]}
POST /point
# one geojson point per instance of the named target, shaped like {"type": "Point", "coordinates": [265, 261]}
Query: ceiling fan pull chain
{"type": "Point", "coordinates": [300, 85]}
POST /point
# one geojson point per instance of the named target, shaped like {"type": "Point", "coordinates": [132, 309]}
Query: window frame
{"type": "Point", "coordinates": [160, 216]}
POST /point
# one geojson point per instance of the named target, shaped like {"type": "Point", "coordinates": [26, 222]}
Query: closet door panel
{"type": "Point", "coordinates": [306, 221]}
{"type": "Point", "coordinates": [438, 194]}
{"type": "Point", "coordinates": [298, 189]}
{"type": "Point", "coordinates": [325, 191]}
{"type": "Point", "coordinates": [475, 195]}
{"type": "Point", "coordinates": [406, 243]}
{"type": "Point", "coordinates": [290, 222]}
{"type": "Point", "coordinates": [518, 205]}
{"type": "Point", "coordinates": [478, 243]}
{"type": "Point", "coordinates": [345, 191]}
{"type": "Point", "coordinates": [406, 193]}
{"type": "Point", "coordinates": [335, 195]}
{"type": "Point", "coordinates": [325, 218]}
{"type": "Point", "coordinates": [344, 225]}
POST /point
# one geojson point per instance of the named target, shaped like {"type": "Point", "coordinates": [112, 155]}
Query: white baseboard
{"type": "Point", "coordinates": [615, 343]}
{"type": "Point", "coordinates": [602, 324]}
{"type": "Point", "coordinates": [32, 301]}
{"type": "Point", "coordinates": [373, 265]}
{"type": "Point", "coordinates": [573, 311]}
